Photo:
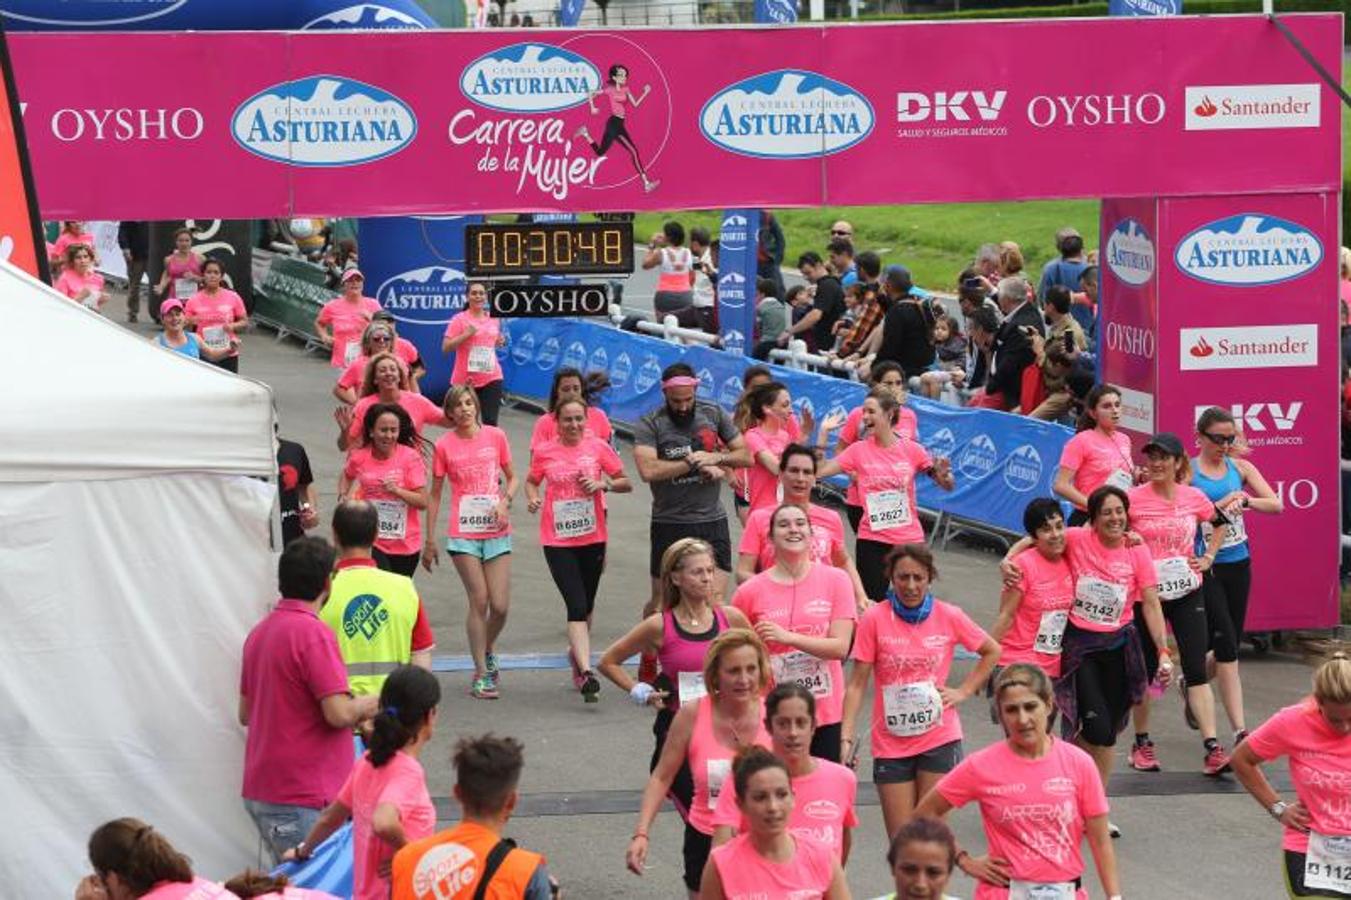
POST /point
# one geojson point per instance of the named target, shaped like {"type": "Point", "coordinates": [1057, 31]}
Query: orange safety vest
{"type": "Point", "coordinates": [449, 864]}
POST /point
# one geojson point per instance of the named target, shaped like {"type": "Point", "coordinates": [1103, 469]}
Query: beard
{"type": "Point", "coordinates": [681, 418]}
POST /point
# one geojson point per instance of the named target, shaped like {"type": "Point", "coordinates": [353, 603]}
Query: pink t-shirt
{"type": "Point", "coordinates": [295, 893]}
{"type": "Point", "coordinates": [419, 409]}
{"type": "Point", "coordinates": [824, 596]}
{"type": "Point", "coordinates": [1095, 459]}
{"type": "Point", "coordinates": [827, 535]}
{"type": "Point", "coordinates": [597, 426]}
{"type": "Point", "coordinates": [1107, 580]}
{"type": "Point", "coordinates": [886, 483]}
{"type": "Point", "coordinates": [65, 239]}
{"type": "Point", "coordinates": [1320, 767]}
{"type": "Point", "coordinates": [474, 468]}
{"type": "Point", "coordinates": [1039, 622]}
{"type": "Point", "coordinates": [71, 283]}
{"type": "Point", "coordinates": [763, 485]}
{"type": "Point", "coordinates": [823, 806]}
{"type": "Point", "coordinates": [292, 755]}
{"type": "Point", "coordinates": [400, 782]}
{"type": "Point", "coordinates": [907, 426]}
{"type": "Point", "coordinates": [1034, 810]}
{"type": "Point", "coordinates": [348, 321]}
{"type": "Point", "coordinates": [475, 359]}
{"type": "Point", "coordinates": [197, 889]}
{"type": "Point", "coordinates": [211, 313]}
{"type": "Point", "coordinates": [354, 374]}
{"type": "Point", "coordinates": [746, 875]}
{"type": "Point", "coordinates": [910, 663]}
{"type": "Point", "coordinates": [400, 524]}
{"type": "Point", "coordinates": [1169, 529]}
{"type": "Point", "coordinates": [617, 96]}
{"type": "Point", "coordinates": [568, 516]}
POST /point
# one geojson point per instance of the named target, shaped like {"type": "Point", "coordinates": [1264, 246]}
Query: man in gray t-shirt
{"type": "Point", "coordinates": [684, 450]}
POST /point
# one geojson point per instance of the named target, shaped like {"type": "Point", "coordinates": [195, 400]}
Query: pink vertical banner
{"type": "Point", "coordinates": [1248, 322]}
{"type": "Point", "coordinates": [1129, 320]}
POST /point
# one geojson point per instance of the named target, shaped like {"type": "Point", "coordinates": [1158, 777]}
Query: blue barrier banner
{"type": "Point", "coordinates": [213, 15]}
{"type": "Point", "coordinates": [329, 867]}
{"type": "Point", "coordinates": [775, 12]}
{"type": "Point", "coordinates": [736, 279]}
{"type": "Point", "coordinates": [414, 266]}
{"type": "Point", "coordinates": [570, 12]}
{"type": "Point", "coordinates": [1144, 7]}
{"type": "Point", "coordinates": [1000, 461]}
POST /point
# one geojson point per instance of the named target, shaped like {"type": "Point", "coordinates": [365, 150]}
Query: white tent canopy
{"type": "Point", "coordinates": [135, 554]}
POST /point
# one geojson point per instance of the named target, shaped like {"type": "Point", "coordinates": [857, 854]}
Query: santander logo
{"type": "Point", "coordinates": [1205, 109]}
{"type": "Point", "coordinates": [1201, 348]}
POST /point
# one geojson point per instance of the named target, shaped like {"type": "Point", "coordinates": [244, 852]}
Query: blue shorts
{"type": "Point", "coordinates": [939, 761]}
{"type": "Point", "coordinates": [486, 549]}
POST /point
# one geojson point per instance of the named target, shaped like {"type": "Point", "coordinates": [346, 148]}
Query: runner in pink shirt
{"type": "Point", "coordinates": [476, 461]}
{"type": "Point", "coordinates": [386, 382]}
{"type": "Point", "coordinates": [753, 377]}
{"type": "Point", "coordinates": [72, 232]}
{"type": "Point", "coordinates": [618, 97]}
{"type": "Point", "coordinates": [770, 406]}
{"type": "Point", "coordinates": [474, 336]}
{"type": "Point", "coordinates": [379, 337]}
{"type": "Point", "coordinates": [132, 859]}
{"type": "Point", "coordinates": [769, 859]}
{"type": "Point", "coordinates": [1167, 512]}
{"type": "Point", "coordinates": [804, 612]}
{"type": "Point", "coordinates": [1039, 798]}
{"type": "Point", "coordinates": [824, 792]}
{"type": "Point", "coordinates": [385, 796]}
{"type": "Point", "coordinates": [905, 647]}
{"type": "Point", "coordinates": [1315, 736]}
{"type": "Point", "coordinates": [1034, 611]}
{"type": "Point", "coordinates": [342, 321]}
{"type": "Point", "coordinates": [217, 313]}
{"type": "Point", "coordinates": [182, 275]}
{"type": "Point", "coordinates": [1097, 455]}
{"type": "Point", "coordinates": [79, 281]}
{"type": "Point", "coordinates": [389, 471]}
{"type": "Point", "coordinates": [576, 472]}
{"type": "Point", "coordinates": [885, 467]}
{"type": "Point", "coordinates": [569, 384]}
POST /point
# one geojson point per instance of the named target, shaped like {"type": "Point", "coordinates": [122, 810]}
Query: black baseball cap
{"type": "Point", "coordinates": [1167, 442]}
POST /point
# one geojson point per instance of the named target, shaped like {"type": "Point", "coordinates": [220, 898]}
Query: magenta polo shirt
{"type": "Point", "coordinates": [292, 755]}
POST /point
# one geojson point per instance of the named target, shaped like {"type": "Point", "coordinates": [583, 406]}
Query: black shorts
{"type": "Point", "coordinates": [940, 760]}
{"type": "Point", "coordinates": [697, 847]}
{"type": "Point", "coordinates": [664, 534]}
{"type": "Point", "coordinates": [1294, 877]}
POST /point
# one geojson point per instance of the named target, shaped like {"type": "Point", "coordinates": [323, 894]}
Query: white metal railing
{"type": "Point", "coordinates": [797, 357]}
{"type": "Point", "coordinates": [667, 329]}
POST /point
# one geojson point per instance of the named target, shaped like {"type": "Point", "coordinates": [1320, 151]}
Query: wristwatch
{"type": "Point", "coordinates": [1278, 809]}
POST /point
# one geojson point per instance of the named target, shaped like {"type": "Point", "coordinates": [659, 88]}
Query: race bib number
{"type": "Point", "coordinates": [1051, 632]}
{"type": "Point", "coordinates": [804, 669]}
{"type": "Point", "coordinates": [184, 288]}
{"type": "Point", "coordinates": [1041, 890]}
{"type": "Point", "coordinates": [1176, 577]}
{"type": "Point", "coordinates": [691, 686]}
{"type": "Point", "coordinates": [478, 513]}
{"type": "Point", "coordinates": [1234, 537]}
{"type": "Point", "coordinates": [1097, 601]}
{"type": "Point", "coordinates": [352, 353]}
{"type": "Point", "coordinates": [1121, 479]}
{"type": "Point", "coordinates": [481, 359]}
{"type": "Point", "coordinates": [1327, 864]}
{"type": "Point", "coordinates": [393, 516]}
{"type": "Point", "coordinates": [912, 709]}
{"type": "Point", "coordinates": [216, 337]}
{"type": "Point", "coordinates": [887, 509]}
{"type": "Point", "coordinates": [574, 518]}
{"type": "Point", "coordinates": [91, 299]}
{"type": "Point", "coordinates": [718, 770]}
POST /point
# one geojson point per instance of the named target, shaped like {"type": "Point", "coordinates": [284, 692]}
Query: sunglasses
{"type": "Point", "coordinates": [1219, 438]}
{"type": "Point", "coordinates": [842, 233]}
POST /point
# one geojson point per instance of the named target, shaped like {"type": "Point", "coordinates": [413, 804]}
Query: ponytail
{"type": "Point", "coordinates": [140, 855]}
{"type": "Point", "coordinates": [409, 696]}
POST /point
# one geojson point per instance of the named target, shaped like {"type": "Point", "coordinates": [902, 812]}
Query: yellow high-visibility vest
{"type": "Point", "coordinates": [373, 613]}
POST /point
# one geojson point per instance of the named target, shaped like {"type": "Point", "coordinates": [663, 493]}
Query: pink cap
{"type": "Point", "coordinates": [349, 274]}
{"type": "Point", "coordinates": [169, 305]}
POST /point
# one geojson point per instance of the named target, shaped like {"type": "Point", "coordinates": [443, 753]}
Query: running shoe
{"type": "Point", "coordinates": [590, 687]}
{"type": "Point", "coordinates": [1217, 761]}
{"type": "Point", "coordinates": [1112, 831]}
{"type": "Point", "coordinates": [1187, 713]}
{"type": "Point", "coordinates": [483, 688]}
{"type": "Point", "coordinates": [1142, 757]}
{"type": "Point", "coordinates": [491, 669]}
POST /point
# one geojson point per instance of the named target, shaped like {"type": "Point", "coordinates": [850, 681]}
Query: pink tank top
{"type": "Point", "coordinates": [682, 655]}
{"type": "Point", "coordinates": [179, 269]}
{"type": "Point", "coordinates": [711, 763]}
{"type": "Point", "coordinates": [675, 270]}
{"type": "Point", "coordinates": [745, 873]}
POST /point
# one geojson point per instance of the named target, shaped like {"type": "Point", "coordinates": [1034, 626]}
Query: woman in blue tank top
{"type": "Point", "coordinates": [1236, 487]}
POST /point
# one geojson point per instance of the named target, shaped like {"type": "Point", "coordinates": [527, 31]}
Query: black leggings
{"type": "Point", "coordinates": [1102, 693]}
{"type": "Point", "coordinates": [1187, 616]}
{"type": "Point", "coordinates": [869, 558]}
{"type": "Point", "coordinates": [615, 132]}
{"type": "Point", "coordinates": [855, 514]}
{"type": "Point", "coordinates": [576, 572]}
{"type": "Point", "coordinates": [399, 563]}
{"type": "Point", "coordinates": [489, 401]}
{"type": "Point", "coordinates": [826, 742]}
{"type": "Point", "coordinates": [229, 364]}
{"type": "Point", "coordinates": [1227, 586]}
{"type": "Point", "coordinates": [682, 786]}
{"type": "Point", "coordinates": [1294, 877]}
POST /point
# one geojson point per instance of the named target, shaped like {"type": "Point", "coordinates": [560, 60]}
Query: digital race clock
{"type": "Point", "coordinates": [552, 248]}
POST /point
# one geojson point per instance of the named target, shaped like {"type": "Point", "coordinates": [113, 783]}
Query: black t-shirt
{"type": "Point", "coordinates": [907, 339]}
{"type": "Point", "coordinates": [293, 473]}
{"type": "Point", "coordinates": [830, 300]}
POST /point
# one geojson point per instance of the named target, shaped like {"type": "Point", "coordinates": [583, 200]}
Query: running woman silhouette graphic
{"type": "Point", "coordinates": [616, 90]}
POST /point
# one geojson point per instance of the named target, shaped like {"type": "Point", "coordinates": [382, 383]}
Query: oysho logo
{"type": "Point", "coordinates": [1132, 339]}
{"type": "Point", "coordinates": [1130, 252]}
{"type": "Point", "coordinates": [734, 232]}
{"type": "Point", "coordinates": [1249, 347]}
{"type": "Point", "coordinates": [1093, 110]}
{"type": "Point", "coordinates": [949, 106]}
{"type": "Point", "coordinates": [324, 120]}
{"type": "Point", "coordinates": [1302, 493]}
{"type": "Point", "coordinates": [1220, 107]}
{"type": "Point", "coordinates": [365, 17]}
{"type": "Point", "coordinates": [787, 114]}
{"type": "Point", "coordinates": [1022, 470]}
{"type": "Point", "coordinates": [621, 370]}
{"type": "Point", "coordinates": [530, 78]}
{"type": "Point", "coordinates": [978, 458]}
{"type": "Point", "coordinates": [429, 295]}
{"type": "Point", "coordinates": [523, 349]}
{"type": "Point", "coordinates": [1248, 250]}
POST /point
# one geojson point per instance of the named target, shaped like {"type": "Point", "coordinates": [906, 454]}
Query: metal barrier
{"type": "Point", "coordinates": [668, 329]}
{"type": "Point", "coordinates": [797, 357]}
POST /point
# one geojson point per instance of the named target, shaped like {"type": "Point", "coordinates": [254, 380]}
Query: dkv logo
{"type": "Point", "coordinates": [530, 78]}
{"type": "Point", "coordinates": [323, 120]}
{"type": "Point", "coordinates": [944, 106]}
{"type": "Point", "coordinates": [433, 294]}
{"type": "Point", "coordinates": [1249, 250]}
{"type": "Point", "coordinates": [1264, 424]}
{"type": "Point", "coordinates": [1130, 252]}
{"type": "Point", "coordinates": [787, 114]}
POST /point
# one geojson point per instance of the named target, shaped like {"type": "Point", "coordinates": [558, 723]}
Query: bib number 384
{"type": "Point", "coordinates": [912, 709]}
{"type": "Point", "coordinates": [804, 669]}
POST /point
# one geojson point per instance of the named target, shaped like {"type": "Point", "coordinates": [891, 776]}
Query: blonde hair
{"type": "Point", "coordinates": [455, 394]}
{"type": "Point", "coordinates": [1332, 679]}
{"type": "Point", "coordinates": [727, 641]}
{"type": "Point", "coordinates": [368, 379]}
{"type": "Point", "coordinates": [674, 558]}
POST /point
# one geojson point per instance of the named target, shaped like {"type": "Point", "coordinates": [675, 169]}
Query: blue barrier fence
{"type": "Point", "coordinates": [1000, 461]}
